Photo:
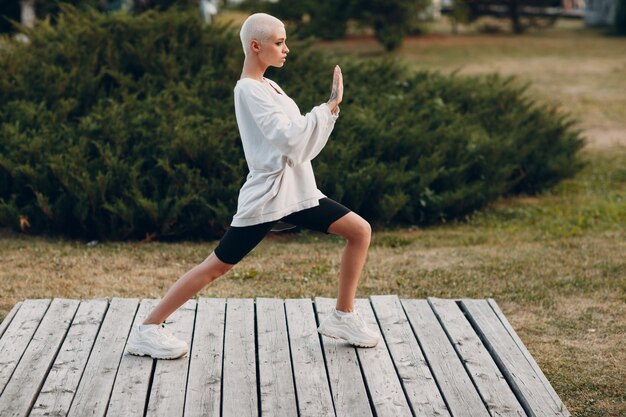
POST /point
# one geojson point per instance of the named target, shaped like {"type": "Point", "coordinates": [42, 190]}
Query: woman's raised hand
{"type": "Point", "coordinates": [336, 94]}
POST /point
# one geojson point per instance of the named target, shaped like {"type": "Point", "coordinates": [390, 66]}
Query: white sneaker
{"type": "Point", "coordinates": [349, 327]}
{"type": "Point", "coordinates": [156, 341]}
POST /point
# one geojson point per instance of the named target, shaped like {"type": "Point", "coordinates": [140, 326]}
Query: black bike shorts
{"type": "Point", "coordinates": [237, 242]}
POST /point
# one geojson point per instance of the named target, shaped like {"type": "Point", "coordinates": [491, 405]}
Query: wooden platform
{"type": "Point", "coordinates": [264, 357]}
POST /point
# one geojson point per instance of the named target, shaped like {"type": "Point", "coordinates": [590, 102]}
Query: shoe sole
{"type": "Point", "coordinates": [134, 351]}
{"type": "Point", "coordinates": [352, 342]}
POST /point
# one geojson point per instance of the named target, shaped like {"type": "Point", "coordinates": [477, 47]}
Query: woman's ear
{"type": "Point", "coordinates": [255, 46]}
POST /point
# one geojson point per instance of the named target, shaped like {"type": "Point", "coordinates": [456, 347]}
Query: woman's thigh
{"type": "Point", "coordinates": [352, 227]}
{"type": "Point", "coordinates": [318, 218]}
{"type": "Point", "coordinates": [237, 242]}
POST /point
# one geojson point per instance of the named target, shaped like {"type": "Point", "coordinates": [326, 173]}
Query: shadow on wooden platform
{"type": "Point", "coordinates": [264, 357]}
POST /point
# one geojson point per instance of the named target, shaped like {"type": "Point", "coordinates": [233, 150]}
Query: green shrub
{"type": "Point", "coordinates": [116, 127]}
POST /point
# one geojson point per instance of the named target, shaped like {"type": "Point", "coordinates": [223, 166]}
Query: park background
{"type": "Point", "coordinates": [552, 258]}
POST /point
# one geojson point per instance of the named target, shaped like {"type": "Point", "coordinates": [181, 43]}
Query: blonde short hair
{"type": "Point", "coordinates": [258, 26]}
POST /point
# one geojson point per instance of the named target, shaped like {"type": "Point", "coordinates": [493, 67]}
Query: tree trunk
{"type": "Point", "coordinates": [514, 14]}
{"type": "Point", "coordinates": [28, 12]}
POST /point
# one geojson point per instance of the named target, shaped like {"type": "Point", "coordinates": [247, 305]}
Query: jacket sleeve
{"type": "Point", "coordinates": [300, 139]}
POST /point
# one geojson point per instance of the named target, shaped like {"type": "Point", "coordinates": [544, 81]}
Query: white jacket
{"type": "Point", "coordinates": [279, 144]}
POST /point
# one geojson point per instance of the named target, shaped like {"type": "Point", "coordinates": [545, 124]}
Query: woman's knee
{"type": "Point", "coordinates": [222, 269]}
{"type": "Point", "coordinates": [363, 231]}
{"type": "Point", "coordinates": [354, 228]}
{"type": "Point", "coordinates": [214, 267]}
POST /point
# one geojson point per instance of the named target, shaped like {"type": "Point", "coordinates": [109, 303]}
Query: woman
{"type": "Point", "coordinates": [279, 144]}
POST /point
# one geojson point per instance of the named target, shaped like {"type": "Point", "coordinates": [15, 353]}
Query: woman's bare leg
{"type": "Point", "coordinates": [188, 286]}
{"type": "Point", "coordinates": [358, 233]}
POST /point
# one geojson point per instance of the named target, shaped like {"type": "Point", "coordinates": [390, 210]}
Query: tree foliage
{"type": "Point", "coordinates": [391, 20]}
{"type": "Point", "coordinates": [10, 10]}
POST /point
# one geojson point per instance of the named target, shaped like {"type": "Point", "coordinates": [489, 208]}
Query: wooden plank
{"type": "Point", "coordinates": [522, 378]}
{"type": "Point", "coordinates": [313, 391]}
{"type": "Point", "coordinates": [28, 347]}
{"type": "Point", "coordinates": [529, 358]}
{"type": "Point", "coordinates": [204, 386]}
{"type": "Point", "coordinates": [493, 388]}
{"type": "Point", "coordinates": [344, 374]}
{"type": "Point", "coordinates": [22, 389]}
{"type": "Point", "coordinates": [239, 391]}
{"type": "Point", "coordinates": [18, 335]}
{"type": "Point", "coordinates": [454, 383]}
{"type": "Point", "coordinates": [169, 383]}
{"type": "Point", "coordinates": [130, 389]}
{"type": "Point", "coordinates": [7, 320]}
{"type": "Point", "coordinates": [277, 393]}
{"type": "Point", "coordinates": [94, 389]}
{"type": "Point", "coordinates": [383, 383]}
{"type": "Point", "coordinates": [58, 391]}
{"type": "Point", "coordinates": [415, 375]}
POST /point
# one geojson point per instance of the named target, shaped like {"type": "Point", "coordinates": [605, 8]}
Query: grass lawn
{"type": "Point", "coordinates": [582, 71]}
{"type": "Point", "coordinates": [555, 262]}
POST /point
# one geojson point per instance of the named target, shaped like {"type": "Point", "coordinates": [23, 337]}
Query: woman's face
{"type": "Point", "coordinates": [273, 51]}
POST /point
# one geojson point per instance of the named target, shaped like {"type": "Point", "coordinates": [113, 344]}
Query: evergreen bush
{"type": "Point", "coordinates": [121, 127]}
